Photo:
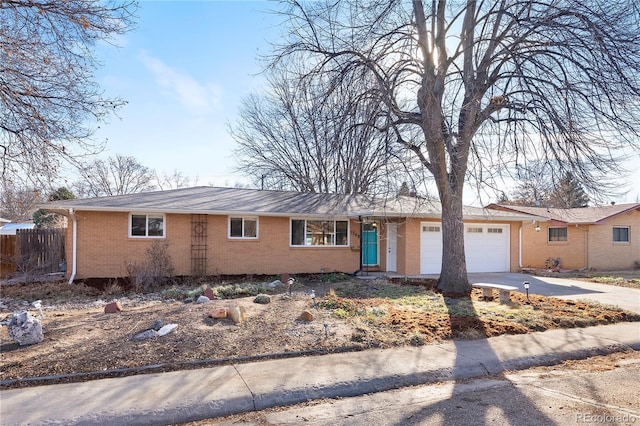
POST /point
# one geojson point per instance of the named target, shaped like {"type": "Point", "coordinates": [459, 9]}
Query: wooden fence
{"type": "Point", "coordinates": [7, 255]}
{"type": "Point", "coordinates": [33, 252]}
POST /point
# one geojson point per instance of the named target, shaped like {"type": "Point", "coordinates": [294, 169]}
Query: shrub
{"type": "Point", "coordinates": [155, 271]}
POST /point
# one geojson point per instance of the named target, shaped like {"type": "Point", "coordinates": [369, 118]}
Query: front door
{"type": "Point", "coordinates": [369, 245]}
{"type": "Point", "coordinates": [392, 247]}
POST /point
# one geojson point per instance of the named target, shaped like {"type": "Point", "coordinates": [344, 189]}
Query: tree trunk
{"type": "Point", "coordinates": [453, 274]}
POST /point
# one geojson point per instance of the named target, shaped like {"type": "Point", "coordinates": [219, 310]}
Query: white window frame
{"type": "Point", "coordinates": [243, 236]}
{"type": "Point", "coordinates": [627, 241]}
{"type": "Point", "coordinates": [146, 230]}
{"type": "Point", "coordinates": [566, 228]}
{"type": "Point", "coordinates": [305, 239]}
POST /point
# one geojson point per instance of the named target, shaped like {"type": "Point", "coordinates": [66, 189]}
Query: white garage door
{"type": "Point", "coordinates": [486, 247]}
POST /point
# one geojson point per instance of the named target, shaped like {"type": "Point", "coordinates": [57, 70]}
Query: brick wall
{"type": "Point", "coordinates": [104, 246]}
{"type": "Point", "coordinates": [587, 246]}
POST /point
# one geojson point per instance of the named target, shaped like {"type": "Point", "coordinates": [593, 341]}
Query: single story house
{"type": "Point", "coordinates": [229, 231]}
{"type": "Point", "coordinates": [12, 228]}
{"type": "Point", "coordinates": [604, 238]}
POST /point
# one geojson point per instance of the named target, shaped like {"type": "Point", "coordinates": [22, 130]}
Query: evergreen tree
{"type": "Point", "coordinates": [568, 194]}
{"type": "Point", "coordinates": [42, 219]}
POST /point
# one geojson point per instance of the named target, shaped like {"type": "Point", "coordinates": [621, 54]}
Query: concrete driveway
{"type": "Point", "coordinates": [562, 288]}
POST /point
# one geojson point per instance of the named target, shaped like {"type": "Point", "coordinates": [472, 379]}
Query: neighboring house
{"type": "Point", "coordinates": [11, 228]}
{"type": "Point", "coordinates": [229, 231]}
{"type": "Point", "coordinates": [605, 238]}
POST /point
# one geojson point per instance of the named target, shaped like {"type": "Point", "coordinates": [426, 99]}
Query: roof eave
{"type": "Point", "coordinates": [65, 210]}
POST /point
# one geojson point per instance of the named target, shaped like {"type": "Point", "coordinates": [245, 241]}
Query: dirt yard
{"type": "Point", "coordinates": [82, 342]}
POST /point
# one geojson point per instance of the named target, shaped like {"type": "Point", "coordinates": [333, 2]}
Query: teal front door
{"type": "Point", "coordinates": [369, 245]}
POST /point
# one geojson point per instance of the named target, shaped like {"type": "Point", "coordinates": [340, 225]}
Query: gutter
{"type": "Point", "coordinates": [74, 254]}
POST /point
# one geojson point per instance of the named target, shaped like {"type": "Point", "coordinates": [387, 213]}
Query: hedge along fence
{"type": "Point", "coordinates": [33, 252]}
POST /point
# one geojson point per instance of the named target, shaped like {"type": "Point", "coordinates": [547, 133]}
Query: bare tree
{"type": "Point", "coordinates": [534, 186]}
{"type": "Point", "coordinates": [18, 203]}
{"type": "Point", "coordinates": [48, 98]}
{"type": "Point", "coordinates": [313, 137]}
{"type": "Point", "coordinates": [173, 180]}
{"type": "Point", "coordinates": [474, 88]}
{"type": "Point", "coordinates": [117, 175]}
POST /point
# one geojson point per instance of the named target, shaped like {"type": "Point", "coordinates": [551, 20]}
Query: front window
{"type": "Point", "coordinates": [557, 234]}
{"type": "Point", "coordinates": [319, 232]}
{"type": "Point", "coordinates": [243, 227]}
{"type": "Point", "coordinates": [146, 225]}
{"type": "Point", "coordinates": [621, 234]}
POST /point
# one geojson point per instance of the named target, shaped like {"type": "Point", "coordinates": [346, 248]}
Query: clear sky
{"type": "Point", "coordinates": [183, 72]}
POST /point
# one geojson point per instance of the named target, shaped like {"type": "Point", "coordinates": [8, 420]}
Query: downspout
{"type": "Point", "coordinates": [520, 247]}
{"type": "Point", "coordinates": [74, 244]}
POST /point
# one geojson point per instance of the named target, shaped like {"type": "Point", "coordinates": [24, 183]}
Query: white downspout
{"type": "Point", "coordinates": [520, 247]}
{"type": "Point", "coordinates": [74, 236]}
{"type": "Point", "coordinates": [533, 222]}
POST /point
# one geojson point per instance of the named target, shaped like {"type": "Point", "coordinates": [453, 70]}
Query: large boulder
{"type": "Point", "coordinates": [113, 308]}
{"type": "Point", "coordinates": [262, 299]}
{"type": "Point", "coordinates": [218, 313]}
{"type": "Point", "coordinates": [147, 334]}
{"type": "Point", "coordinates": [25, 328]}
{"type": "Point", "coordinates": [237, 314]}
{"type": "Point", "coordinates": [306, 315]}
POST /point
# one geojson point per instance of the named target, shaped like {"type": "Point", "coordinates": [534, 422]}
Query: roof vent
{"type": "Point", "coordinates": [613, 203]}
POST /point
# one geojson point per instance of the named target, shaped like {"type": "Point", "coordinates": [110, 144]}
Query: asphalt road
{"type": "Point", "coordinates": [559, 395]}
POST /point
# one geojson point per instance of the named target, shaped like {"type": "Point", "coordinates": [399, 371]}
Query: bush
{"type": "Point", "coordinates": [231, 291]}
{"type": "Point", "coordinates": [156, 271]}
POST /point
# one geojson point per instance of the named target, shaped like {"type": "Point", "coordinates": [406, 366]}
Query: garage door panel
{"type": "Point", "coordinates": [486, 248]}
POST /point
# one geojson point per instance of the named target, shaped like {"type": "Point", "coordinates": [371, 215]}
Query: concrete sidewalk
{"type": "Point", "coordinates": [183, 396]}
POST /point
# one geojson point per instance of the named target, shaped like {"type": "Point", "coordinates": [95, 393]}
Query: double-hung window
{"type": "Point", "coordinates": [243, 227]}
{"type": "Point", "coordinates": [557, 234]}
{"type": "Point", "coordinates": [621, 234]}
{"type": "Point", "coordinates": [319, 232]}
{"type": "Point", "coordinates": [146, 225]}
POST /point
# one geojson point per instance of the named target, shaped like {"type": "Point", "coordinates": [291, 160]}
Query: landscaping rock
{"type": "Point", "coordinates": [306, 315]}
{"type": "Point", "coordinates": [237, 314]}
{"type": "Point", "coordinates": [25, 328]}
{"type": "Point", "coordinates": [157, 324]}
{"type": "Point", "coordinates": [274, 284]}
{"type": "Point", "coordinates": [209, 293]}
{"type": "Point", "coordinates": [167, 329]}
{"type": "Point", "coordinates": [262, 299]}
{"type": "Point", "coordinates": [144, 335]}
{"type": "Point", "coordinates": [113, 308]}
{"type": "Point", "coordinates": [218, 313]}
{"type": "Point", "coordinates": [202, 299]}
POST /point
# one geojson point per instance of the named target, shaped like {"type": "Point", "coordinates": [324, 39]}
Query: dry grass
{"type": "Point", "coordinates": [348, 315]}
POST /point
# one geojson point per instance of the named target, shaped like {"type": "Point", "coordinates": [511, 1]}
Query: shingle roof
{"type": "Point", "coordinates": [212, 200]}
{"type": "Point", "coordinates": [576, 216]}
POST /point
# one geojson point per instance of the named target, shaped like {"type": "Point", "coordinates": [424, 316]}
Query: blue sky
{"type": "Point", "coordinates": [183, 72]}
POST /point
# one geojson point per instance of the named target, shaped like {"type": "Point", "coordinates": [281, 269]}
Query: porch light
{"type": "Point", "coordinates": [537, 228]}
